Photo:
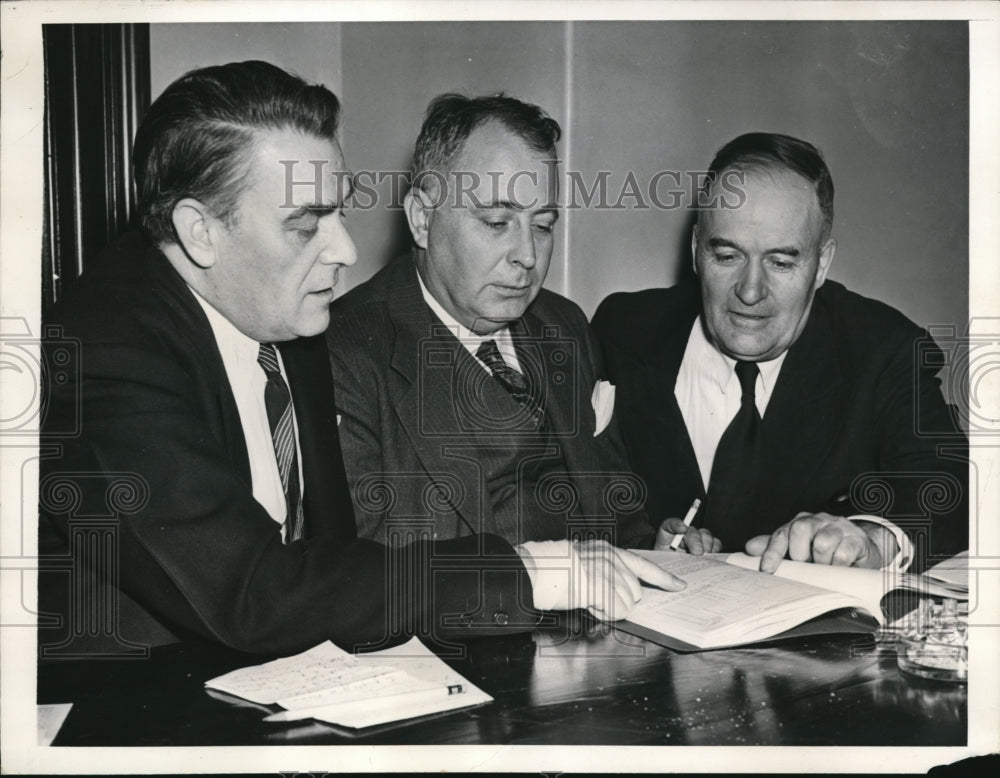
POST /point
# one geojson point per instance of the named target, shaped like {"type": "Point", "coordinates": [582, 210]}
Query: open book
{"type": "Point", "coordinates": [328, 684]}
{"type": "Point", "coordinates": [728, 602]}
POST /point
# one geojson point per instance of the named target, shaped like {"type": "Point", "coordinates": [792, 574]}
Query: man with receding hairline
{"type": "Point", "coordinates": [489, 385]}
{"type": "Point", "coordinates": [781, 399]}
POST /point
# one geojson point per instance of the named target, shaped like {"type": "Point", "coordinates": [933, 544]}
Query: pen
{"type": "Point", "coordinates": [676, 542]}
{"type": "Point", "coordinates": [416, 696]}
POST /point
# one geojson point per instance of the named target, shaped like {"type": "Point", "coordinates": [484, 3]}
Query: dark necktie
{"type": "Point", "coordinates": [734, 469]}
{"type": "Point", "coordinates": [515, 384]}
{"type": "Point", "coordinates": [278, 403]}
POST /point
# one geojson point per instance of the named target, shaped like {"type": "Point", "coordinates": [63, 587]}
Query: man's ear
{"type": "Point", "coordinates": [694, 249]}
{"type": "Point", "coordinates": [825, 260]}
{"type": "Point", "coordinates": [195, 229]}
{"type": "Point", "coordinates": [419, 212]}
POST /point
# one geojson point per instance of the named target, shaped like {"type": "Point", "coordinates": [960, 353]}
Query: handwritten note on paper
{"type": "Point", "coordinates": [322, 667]}
{"type": "Point", "coordinates": [385, 683]}
{"type": "Point", "coordinates": [355, 691]}
{"type": "Point", "coordinates": [416, 667]}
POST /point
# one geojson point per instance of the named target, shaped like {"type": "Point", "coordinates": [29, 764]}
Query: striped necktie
{"type": "Point", "coordinates": [515, 384]}
{"type": "Point", "coordinates": [278, 402]}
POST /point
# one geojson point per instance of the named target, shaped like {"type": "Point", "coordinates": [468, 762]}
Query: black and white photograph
{"type": "Point", "coordinates": [534, 387]}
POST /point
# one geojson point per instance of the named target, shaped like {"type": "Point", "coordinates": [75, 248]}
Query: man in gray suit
{"type": "Point", "coordinates": [470, 398]}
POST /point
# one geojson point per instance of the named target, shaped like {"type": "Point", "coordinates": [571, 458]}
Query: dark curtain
{"type": "Point", "coordinates": [96, 90]}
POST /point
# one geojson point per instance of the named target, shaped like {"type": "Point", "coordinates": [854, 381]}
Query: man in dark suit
{"type": "Point", "coordinates": [489, 414]}
{"type": "Point", "coordinates": [808, 418]}
{"type": "Point", "coordinates": [200, 417]}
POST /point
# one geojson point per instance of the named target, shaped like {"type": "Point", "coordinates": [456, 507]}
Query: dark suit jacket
{"type": "Point", "coordinates": [148, 407]}
{"type": "Point", "coordinates": [856, 414]}
{"type": "Point", "coordinates": [395, 368]}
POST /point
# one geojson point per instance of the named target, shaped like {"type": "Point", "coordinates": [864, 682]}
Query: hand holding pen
{"type": "Point", "coordinates": [675, 533]}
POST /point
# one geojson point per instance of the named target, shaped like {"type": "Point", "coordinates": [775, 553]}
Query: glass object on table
{"type": "Point", "coordinates": [933, 642]}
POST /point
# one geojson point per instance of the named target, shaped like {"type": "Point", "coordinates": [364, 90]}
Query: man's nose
{"type": "Point", "coordinates": [523, 252]}
{"type": "Point", "coordinates": [338, 248]}
{"type": "Point", "coordinates": [751, 287]}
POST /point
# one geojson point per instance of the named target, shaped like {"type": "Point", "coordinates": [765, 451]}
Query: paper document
{"type": "Point", "coordinates": [329, 684]}
{"type": "Point", "coordinates": [869, 586]}
{"type": "Point", "coordinates": [954, 571]}
{"type": "Point", "coordinates": [949, 579]}
{"type": "Point", "coordinates": [723, 605]}
{"type": "Point", "coordinates": [321, 667]}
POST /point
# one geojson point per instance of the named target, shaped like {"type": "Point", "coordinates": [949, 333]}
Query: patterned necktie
{"type": "Point", "coordinates": [278, 402]}
{"type": "Point", "coordinates": [515, 384]}
{"type": "Point", "coordinates": [734, 469]}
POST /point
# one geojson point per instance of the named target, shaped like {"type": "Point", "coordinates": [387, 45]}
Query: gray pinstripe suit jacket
{"type": "Point", "coordinates": [411, 402]}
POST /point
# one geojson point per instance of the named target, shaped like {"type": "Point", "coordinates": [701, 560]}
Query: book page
{"type": "Point", "coordinates": [724, 604]}
{"type": "Point", "coordinates": [869, 586]}
{"type": "Point", "coordinates": [954, 570]}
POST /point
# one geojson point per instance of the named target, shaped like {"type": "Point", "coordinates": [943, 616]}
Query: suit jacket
{"type": "Point", "coordinates": [148, 434]}
{"type": "Point", "coordinates": [856, 422]}
{"type": "Point", "coordinates": [401, 390]}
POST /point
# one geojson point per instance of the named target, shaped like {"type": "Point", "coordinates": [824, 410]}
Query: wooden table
{"type": "Point", "coordinates": [580, 683]}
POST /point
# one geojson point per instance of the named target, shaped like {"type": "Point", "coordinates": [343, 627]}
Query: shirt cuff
{"type": "Point", "coordinates": [904, 557]}
{"type": "Point", "coordinates": [548, 563]}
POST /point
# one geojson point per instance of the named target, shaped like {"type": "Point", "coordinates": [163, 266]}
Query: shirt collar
{"type": "Point", "coordinates": [239, 352]}
{"type": "Point", "coordinates": [468, 338]}
{"type": "Point", "coordinates": [712, 365]}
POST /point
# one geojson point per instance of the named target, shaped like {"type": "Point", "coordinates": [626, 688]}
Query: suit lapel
{"type": "Point", "coordinates": [327, 503]}
{"type": "Point", "coordinates": [668, 422]}
{"type": "Point", "coordinates": [424, 359]}
{"type": "Point", "coordinates": [193, 327]}
{"type": "Point", "coordinates": [800, 426]}
{"type": "Point", "coordinates": [567, 382]}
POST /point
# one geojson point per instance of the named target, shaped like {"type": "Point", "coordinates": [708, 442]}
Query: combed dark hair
{"type": "Point", "coordinates": [451, 118]}
{"type": "Point", "coordinates": [198, 137]}
{"type": "Point", "coordinates": [763, 150]}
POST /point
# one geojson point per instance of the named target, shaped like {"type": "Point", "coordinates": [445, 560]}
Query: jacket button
{"type": "Point", "coordinates": [500, 618]}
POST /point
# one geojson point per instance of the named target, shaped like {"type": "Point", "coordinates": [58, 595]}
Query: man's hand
{"type": "Point", "coordinates": [696, 540]}
{"type": "Point", "coordinates": [825, 540]}
{"type": "Point", "coordinates": [594, 575]}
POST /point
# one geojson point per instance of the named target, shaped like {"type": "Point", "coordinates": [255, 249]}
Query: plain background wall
{"type": "Point", "coordinates": [887, 102]}
{"type": "Point", "coordinates": [392, 71]}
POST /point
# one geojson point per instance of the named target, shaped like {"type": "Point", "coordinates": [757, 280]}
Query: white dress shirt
{"type": "Point", "coordinates": [708, 394]}
{"type": "Point", "coordinates": [469, 339]}
{"type": "Point", "coordinates": [247, 380]}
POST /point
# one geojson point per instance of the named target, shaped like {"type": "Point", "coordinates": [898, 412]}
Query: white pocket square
{"type": "Point", "coordinates": [603, 400]}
